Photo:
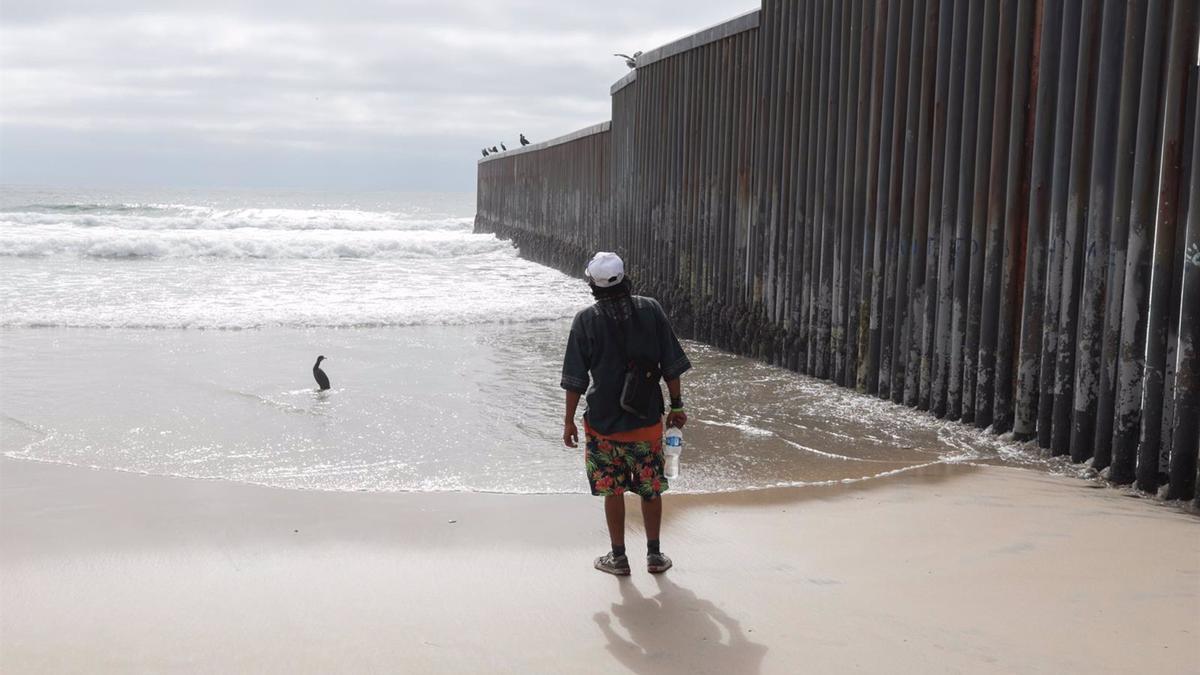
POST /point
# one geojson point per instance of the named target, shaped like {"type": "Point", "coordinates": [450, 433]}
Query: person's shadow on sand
{"type": "Point", "coordinates": [676, 631]}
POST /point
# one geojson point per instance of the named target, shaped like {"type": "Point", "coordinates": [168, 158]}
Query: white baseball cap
{"type": "Point", "coordinates": [605, 269]}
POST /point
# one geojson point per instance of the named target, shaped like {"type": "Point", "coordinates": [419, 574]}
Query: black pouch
{"type": "Point", "coordinates": [640, 394]}
{"type": "Point", "coordinates": [641, 391]}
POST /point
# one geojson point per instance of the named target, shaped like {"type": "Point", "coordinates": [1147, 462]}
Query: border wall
{"type": "Point", "coordinates": [986, 209]}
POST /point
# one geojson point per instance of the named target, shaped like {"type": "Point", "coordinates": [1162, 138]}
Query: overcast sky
{"type": "Point", "coordinates": [307, 93]}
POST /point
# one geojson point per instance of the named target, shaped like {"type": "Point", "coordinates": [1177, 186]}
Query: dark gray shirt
{"type": "Point", "coordinates": [594, 365]}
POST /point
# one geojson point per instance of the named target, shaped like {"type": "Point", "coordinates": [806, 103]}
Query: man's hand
{"type": "Point", "coordinates": [570, 434]}
{"type": "Point", "coordinates": [677, 419]}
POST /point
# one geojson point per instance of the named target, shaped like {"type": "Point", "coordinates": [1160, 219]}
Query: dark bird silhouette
{"type": "Point", "coordinates": [630, 61]}
{"type": "Point", "coordinates": [503, 148]}
{"type": "Point", "coordinates": [524, 141]}
{"type": "Point", "coordinates": [319, 375]}
{"type": "Point", "coordinates": [495, 149]}
{"type": "Point", "coordinates": [485, 152]}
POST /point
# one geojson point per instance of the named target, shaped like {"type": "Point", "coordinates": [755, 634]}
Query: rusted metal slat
{"type": "Point", "coordinates": [1114, 284]}
{"type": "Point", "coordinates": [867, 374]}
{"type": "Point", "coordinates": [895, 196]}
{"type": "Point", "coordinates": [1187, 370]}
{"type": "Point", "coordinates": [1181, 57]}
{"type": "Point", "coordinates": [880, 220]}
{"type": "Point", "coordinates": [1016, 213]}
{"type": "Point", "coordinates": [965, 189]}
{"type": "Point", "coordinates": [983, 142]}
{"type": "Point", "coordinates": [913, 211]}
{"type": "Point", "coordinates": [1130, 354]}
{"type": "Point", "coordinates": [864, 120]}
{"type": "Point", "coordinates": [1099, 216]}
{"type": "Point", "coordinates": [1060, 169]}
{"type": "Point", "coordinates": [995, 226]}
{"type": "Point", "coordinates": [947, 213]}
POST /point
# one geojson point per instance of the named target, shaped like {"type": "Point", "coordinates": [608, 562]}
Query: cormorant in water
{"type": "Point", "coordinates": [524, 141]}
{"type": "Point", "coordinates": [322, 379]}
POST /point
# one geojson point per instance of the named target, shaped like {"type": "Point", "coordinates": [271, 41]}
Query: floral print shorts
{"type": "Point", "coordinates": [614, 468]}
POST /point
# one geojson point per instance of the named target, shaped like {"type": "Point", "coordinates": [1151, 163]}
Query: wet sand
{"type": "Point", "coordinates": [952, 568]}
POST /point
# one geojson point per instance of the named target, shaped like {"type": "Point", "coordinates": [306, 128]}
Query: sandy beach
{"type": "Point", "coordinates": [946, 569]}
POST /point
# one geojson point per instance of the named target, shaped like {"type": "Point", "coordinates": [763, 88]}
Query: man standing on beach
{"type": "Point", "coordinates": [616, 343]}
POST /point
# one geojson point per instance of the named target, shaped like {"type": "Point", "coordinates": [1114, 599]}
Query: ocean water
{"type": "Point", "coordinates": [174, 332]}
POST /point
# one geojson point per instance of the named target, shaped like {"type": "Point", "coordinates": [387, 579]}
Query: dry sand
{"type": "Point", "coordinates": [952, 569]}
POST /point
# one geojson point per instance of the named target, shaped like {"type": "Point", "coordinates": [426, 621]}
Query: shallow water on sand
{"type": "Point", "coordinates": [175, 334]}
{"type": "Point", "coordinates": [421, 408]}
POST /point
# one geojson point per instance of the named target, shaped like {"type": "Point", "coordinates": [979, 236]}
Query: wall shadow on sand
{"type": "Point", "coordinates": [676, 631]}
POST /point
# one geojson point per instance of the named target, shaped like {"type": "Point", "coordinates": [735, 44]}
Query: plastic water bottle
{"type": "Point", "coordinates": [672, 448]}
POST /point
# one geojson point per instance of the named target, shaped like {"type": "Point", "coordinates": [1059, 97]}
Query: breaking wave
{"type": "Point", "coordinates": [185, 217]}
{"type": "Point", "coordinates": [267, 244]}
{"type": "Point", "coordinates": [167, 265]}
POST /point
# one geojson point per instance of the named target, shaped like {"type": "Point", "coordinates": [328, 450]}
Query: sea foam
{"type": "Point", "coordinates": [168, 265]}
{"type": "Point", "coordinates": [107, 242]}
{"type": "Point", "coordinates": [180, 231]}
{"type": "Point", "coordinates": [185, 217]}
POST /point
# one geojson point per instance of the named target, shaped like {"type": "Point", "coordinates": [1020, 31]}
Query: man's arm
{"type": "Point", "coordinates": [576, 363]}
{"type": "Point", "coordinates": [676, 418]}
{"type": "Point", "coordinates": [570, 432]}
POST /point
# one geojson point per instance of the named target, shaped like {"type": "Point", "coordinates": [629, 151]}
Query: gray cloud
{"type": "Point", "coordinates": [305, 93]}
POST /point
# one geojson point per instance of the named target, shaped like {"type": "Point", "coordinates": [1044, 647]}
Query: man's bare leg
{"type": "Point", "coordinates": [656, 562]}
{"type": "Point", "coordinates": [614, 513]}
{"type": "Point", "coordinates": [614, 562]}
{"type": "Point", "coordinates": [652, 517]}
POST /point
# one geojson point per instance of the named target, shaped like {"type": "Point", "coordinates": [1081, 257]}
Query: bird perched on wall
{"type": "Point", "coordinates": [630, 61]}
{"type": "Point", "coordinates": [503, 148]}
{"type": "Point", "coordinates": [319, 375]}
{"type": "Point", "coordinates": [524, 141]}
{"type": "Point", "coordinates": [485, 152]}
{"type": "Point", "coordinates": [494, 149]}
